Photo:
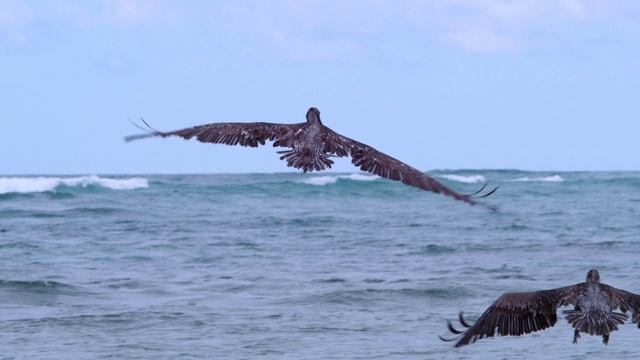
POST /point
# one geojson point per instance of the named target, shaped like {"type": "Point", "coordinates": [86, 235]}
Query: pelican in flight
{"type": "Point", "coordinates": [523, 313]}
{"type": "Point", "coordinates": [311, 146]}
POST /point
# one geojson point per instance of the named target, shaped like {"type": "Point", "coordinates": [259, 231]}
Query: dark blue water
{"type": "Point", "coordinates": [293, 266]}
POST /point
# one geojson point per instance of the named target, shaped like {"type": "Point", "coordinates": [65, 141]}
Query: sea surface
{"type": "Point", "coordinates": [302, 266]}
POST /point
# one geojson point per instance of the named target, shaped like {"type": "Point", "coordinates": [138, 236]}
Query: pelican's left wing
{"type": "Point", "coordinates": [243, 134]}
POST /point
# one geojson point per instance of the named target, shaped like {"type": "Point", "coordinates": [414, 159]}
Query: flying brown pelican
{"type": "Point", "coordinates": [523, 313]}
{"type": "Point", "coordinates": [311, 146]}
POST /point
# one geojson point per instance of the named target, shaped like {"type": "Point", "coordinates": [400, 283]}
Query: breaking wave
{"type": "Point", "coordinates": [464, 179]}
{"type": "Point", "coordinates": [24, 185]}
{"type": "Point", "coordinates": [554, 178]}
{"type": "Point", "coordinates": [332, 179]}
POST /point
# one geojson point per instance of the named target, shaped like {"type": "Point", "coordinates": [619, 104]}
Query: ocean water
{"type": "Point", "coordinates": [295, 266]}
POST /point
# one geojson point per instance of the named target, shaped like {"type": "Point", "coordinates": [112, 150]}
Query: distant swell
{"type": "Point", "coordinates": [33, 286]}
{"type": "Point", "coordinates": [332, 179]}
{"type": "Point", "coordinates": [25, 185]}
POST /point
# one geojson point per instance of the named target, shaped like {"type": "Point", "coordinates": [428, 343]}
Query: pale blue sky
{"type": "Point", "coordinates": [532, 85]}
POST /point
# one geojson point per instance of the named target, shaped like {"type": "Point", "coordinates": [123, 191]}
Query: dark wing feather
{"type": "Point", "coordinates": [520, 313]}
{"type": "Point", "coordinates": [244, 134]}
{"type": "Point", "coordinates": [371, 160]}
{"type": "Point", "coordinates": [624, 300]}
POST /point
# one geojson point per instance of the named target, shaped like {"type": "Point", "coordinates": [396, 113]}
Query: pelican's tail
{"type": "Point", "coordinates": [305, 160]}
{"type": "Point", "coordinates": [595, 323]}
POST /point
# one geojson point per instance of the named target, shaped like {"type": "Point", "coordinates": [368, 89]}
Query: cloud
{"type": "Point", "coordinates": [332, 30]}
{"type": "Point", "coordinates": [504, 26]}
{"type": "Point", "coordinates": [130, 12]}
{"type": "Point", "coordinates": [156, 13]}
{"type": "Point", "coordinates": [15, 17]}
{"type": "Point", "coordinates": [484, 40]}
{"type": "Point", "coordinates": [18, 18]}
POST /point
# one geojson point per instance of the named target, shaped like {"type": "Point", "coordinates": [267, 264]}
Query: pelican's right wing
{"type": "Point", "coordinates": [376, 162]}
{"type": "Point", "coordinates": [625, 301]}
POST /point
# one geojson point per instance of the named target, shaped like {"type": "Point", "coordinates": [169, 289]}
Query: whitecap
{"type": "Point", "coordinates": [554, 178]}
{"type": "Point", "coordinates": [360, 177]}
{"type": "Point", "coordinates": [332, 179]}
{"type": "Point", "coordinates": [320, 180]}
{"type": "Point", "coordinates": [26, 185]}
{"type": "Point", "coordinates": [464, 179]}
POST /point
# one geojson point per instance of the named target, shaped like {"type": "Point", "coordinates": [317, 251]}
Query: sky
{"type": "Point", "coordinates": [475, 84]}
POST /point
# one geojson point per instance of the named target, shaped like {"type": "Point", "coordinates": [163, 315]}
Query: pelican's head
{"type": "Point", "coordinates": [593, 276]}
{"type": "Point", "coordinates": [313, 116]}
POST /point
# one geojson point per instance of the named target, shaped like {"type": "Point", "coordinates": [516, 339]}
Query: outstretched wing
{"type": "Point", "coordinates": [371, 160]}
{"type": "Point", "coordinates": [625, 301]}
{"type": "Point", "coordinates": [244, 134]}
{"type": "Point", "coordinates": [516, 314]}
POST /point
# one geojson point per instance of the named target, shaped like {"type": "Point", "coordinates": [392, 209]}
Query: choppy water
{"type": "Point", "coordinates": [293, 266]}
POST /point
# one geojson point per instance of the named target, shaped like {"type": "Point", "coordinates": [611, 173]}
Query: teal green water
{"type": "Point", "coordinates": [294, 266]}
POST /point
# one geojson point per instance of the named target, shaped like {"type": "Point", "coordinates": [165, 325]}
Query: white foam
{"type": "Point", "coordinates": [320, 180]}
{"type": "Point", "coordinates": [332, 179]}
{"type": "Point", "coordinates": [360, 177]}
{"type": "Point", "coordinates": [464, 179]}
{"type": "Point", "coordinates": [50, 184]}
{"type": "Point", "coordinates": [554, 178]}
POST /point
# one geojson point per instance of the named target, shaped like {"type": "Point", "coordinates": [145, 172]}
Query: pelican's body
{"type": "Point", "coordinates": [311, 146]}
{"type": "Point", "coordinates": [522, 313]}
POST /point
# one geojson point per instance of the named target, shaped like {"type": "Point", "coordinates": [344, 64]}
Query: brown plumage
{"type": "Point", "coordinates": [523, 313]}
{"type": "Point", "coordinates": [311, 147]}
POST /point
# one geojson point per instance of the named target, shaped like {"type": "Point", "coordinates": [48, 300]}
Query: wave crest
{"type": "Point", "coordinates": [553, 178]}
{"type": "Point", "coordinates": [24, 185]}
{"type": "Point", "coordinates": [464, 179]}
{"type": "Point", "coordinates": [332, 179]}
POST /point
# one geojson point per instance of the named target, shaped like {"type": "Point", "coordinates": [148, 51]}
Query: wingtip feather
{"type": "Point", "coordinates": [137, 137]}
